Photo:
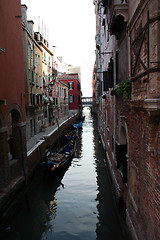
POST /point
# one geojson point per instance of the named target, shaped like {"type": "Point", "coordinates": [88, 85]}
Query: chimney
{"type": "Point", "coordinates": [30, 25]}
{"type": "Point", "coordinates": [24, 14]}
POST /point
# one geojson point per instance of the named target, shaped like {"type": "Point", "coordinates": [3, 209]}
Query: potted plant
{"type": "Point", "coordinates": [124, 89]}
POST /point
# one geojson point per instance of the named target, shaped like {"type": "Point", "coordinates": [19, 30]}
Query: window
{"type": "Point", "coordinates": [117, 66]}
{"type": "Point", "coordinates": [36, 79]}
{"type": "Point", "coordinates": [59, 91]}
{"type": "Point", "coordinates": [121, 157]}
{"type": "Point", "coordinates": [32, 99]}
{"type": "Point", "coordinates": [71, 85]}
{"type": "Point", "coordinates": [65, 93]}
{"type": "Point", "coordinates": [32, 77]}
{"type": "Point", "coordinates": [39, 63]}
{"type": "Point", "coordinates": [111, 74]}
{"type": "Point", "coordinates": [44, 78]}
{"type": "Point", "coordinates": [108, 77]}
{"type": "Point", "coordinates": [36, 59]}
{"type": "Point", "coordinates": [71, 98]}
{"type": "Point", "coordinates": [44, 57]}
{"type": "Point", "coordinates": [37, 98]}
{"type": "Point", "coordinates": [40, 80]}
{"type": "Point", "coordinates": [100, 88]}
{"type": "Point", "coordinates": [29, 49]}
{"type": "Point", "coordinates": [40, 99]}
{"type": "Point", "coordinates": [105, 81]}
{"type": "Point", "coordinates": [29, 75]}
{"type": "Point", "coordinates": [31, 57]}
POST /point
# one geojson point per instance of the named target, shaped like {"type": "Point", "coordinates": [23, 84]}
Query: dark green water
{"type": "Point", "coordinates": [74, 204]}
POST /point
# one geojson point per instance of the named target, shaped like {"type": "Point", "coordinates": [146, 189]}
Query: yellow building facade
{"type": "Point", "coordinates": [33, 78]}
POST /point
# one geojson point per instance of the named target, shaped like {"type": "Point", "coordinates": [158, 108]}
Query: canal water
{"type": "Point", "coordinates": [74, 204]}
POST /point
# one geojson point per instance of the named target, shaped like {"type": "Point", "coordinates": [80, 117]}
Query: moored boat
{"type": "Point", "coordinates": [60, 158]}
{"type": "Point", "coordinates": [71, 135]}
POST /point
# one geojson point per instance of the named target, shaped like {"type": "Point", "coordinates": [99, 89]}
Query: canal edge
{"type": "Point", "coordinates": [10, 198]}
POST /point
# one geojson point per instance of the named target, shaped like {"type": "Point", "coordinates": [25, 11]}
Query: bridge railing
{"type": "Point", "coordinates": [87, 100]}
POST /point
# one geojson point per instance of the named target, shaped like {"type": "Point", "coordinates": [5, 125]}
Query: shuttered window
{"type": "Point", "coordinates": [105, 81]}
{"type": "Point", "coordinates": [111, 74]}
{"type": "Point", "coordinates": [117, 66]}
{"type": "Point", "coordinates": [71, 85]}
{"type": "Point", "coordinates": [108, 77]}
{"type": "Point", "coordinates": [71, 98]}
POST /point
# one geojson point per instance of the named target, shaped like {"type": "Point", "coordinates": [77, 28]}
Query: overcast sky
{"type": "Point", "coordinates": [71, 28]}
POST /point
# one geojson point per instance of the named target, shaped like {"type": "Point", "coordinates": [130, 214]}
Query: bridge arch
{"type": "Point", "coordinates": [87, 101]}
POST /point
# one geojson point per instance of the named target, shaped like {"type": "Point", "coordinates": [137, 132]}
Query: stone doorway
{"type": "Point", "coordinates": [12, 162]}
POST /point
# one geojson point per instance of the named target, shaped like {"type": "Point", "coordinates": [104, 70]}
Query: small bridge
{"type": "Point", "coordinates": [87, 101]}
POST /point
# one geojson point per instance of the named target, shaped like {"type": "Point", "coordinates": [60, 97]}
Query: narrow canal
{"type": "Point", "coordinates": [74, 204]}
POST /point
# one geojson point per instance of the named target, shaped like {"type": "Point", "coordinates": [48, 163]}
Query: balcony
{"type": "Point", "coordinates": [153, 106]}
{"type": "Point", "coordinates": [119, 16]}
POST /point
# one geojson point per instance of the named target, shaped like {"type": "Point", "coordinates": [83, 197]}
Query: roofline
{"type": "Point", "coordinates": [46, 48]}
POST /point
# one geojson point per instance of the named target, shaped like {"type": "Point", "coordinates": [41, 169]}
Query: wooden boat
{"type": "Point", "coordinates": [71, 135]}
{"type": "Point", "coordinates": [64, 155]}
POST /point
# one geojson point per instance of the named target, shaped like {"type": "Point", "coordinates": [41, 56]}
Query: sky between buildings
{"type": "Point", "coordinates": [70, 26]}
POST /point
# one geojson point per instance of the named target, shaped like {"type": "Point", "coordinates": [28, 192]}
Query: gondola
{"type": "Point", "coordinates": [71, 135]}
{"type": "Point", "coordinates": [57, 160]}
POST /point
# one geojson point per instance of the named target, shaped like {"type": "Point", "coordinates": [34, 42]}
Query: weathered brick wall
{"type": "Point", "coordinates": [122, 108]}
{"type": "Point", "coordinates": [143, 177]}
{"type": "Point", "coordinates": [143, 187]}
{"type": "Point", "coordinates": [4, 163]}
{"type": "Point", "coordinates": [140, 117]}
{"type": "Point", "coordinates": [144, 43]}
{"type": "Point", "coordinates": [143, 123]}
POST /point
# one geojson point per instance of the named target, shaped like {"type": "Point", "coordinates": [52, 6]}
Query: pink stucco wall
{"type": "Point", "coordinates": [11, 56]}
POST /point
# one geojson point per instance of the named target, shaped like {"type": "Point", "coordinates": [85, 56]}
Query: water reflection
{"type": "Point", "coordinates": [75, 203]}
{"type": "Point", "coordinates": [43, 208]}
